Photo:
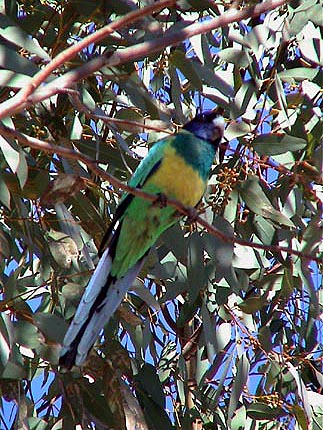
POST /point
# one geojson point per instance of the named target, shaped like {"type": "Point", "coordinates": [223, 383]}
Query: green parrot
{"type": "Point", "coordinates": [178, 167]}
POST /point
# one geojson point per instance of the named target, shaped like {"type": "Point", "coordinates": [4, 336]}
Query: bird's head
{"type": "Point", "coordinates": [207, 126]}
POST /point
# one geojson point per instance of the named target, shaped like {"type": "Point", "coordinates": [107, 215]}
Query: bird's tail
{"type": "Point", "coordinates": [100, 300]}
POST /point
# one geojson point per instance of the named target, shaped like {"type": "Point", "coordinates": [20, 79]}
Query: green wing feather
{"type": "Point", "coordinates": [145, 169]}
{"type": "Point", "coordinates": [149, 164]}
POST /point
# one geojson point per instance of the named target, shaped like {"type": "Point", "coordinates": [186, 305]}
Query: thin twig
{"type": "Point", "coordinates": [89, 113]}
{"type": "Point", "coordinates": [183, 209]}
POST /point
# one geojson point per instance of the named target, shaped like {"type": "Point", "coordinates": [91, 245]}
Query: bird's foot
{"type": "Point", "coordinates": [192, 215]}
{"type": "Point", "coordinates": [160, 201]}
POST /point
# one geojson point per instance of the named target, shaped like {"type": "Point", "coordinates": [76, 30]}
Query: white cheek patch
{"type": "Point", "coordinates": [219, 125]}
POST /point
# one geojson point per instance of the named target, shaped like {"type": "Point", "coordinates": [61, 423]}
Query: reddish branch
{"type": "Point", "coordinates": [22, 99]}
{"type": "Point", "coordinates": [29, 95]}
{"type": "Point", "coordinates": [184, 210]}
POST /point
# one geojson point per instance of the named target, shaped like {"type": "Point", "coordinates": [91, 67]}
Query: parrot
{"type": "Point", "coordinates": [176, 167]}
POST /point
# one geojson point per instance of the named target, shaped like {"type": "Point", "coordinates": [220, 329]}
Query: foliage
{"type": "Point", "coordinates": [214, 335]}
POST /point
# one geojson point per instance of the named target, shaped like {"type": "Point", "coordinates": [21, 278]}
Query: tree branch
{"type": "Point", "coordinates": [182, 209]}
{"type": "Point", "coordinates": [25, 97]}
{"type": "Point", "coordinates": [20, 101]}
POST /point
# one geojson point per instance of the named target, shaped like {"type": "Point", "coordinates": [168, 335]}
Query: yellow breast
{"type": "Point", "coordinates": [175, 178]}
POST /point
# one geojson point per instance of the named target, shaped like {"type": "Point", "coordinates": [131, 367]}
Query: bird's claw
{"type": "Point", "coordinates": [192, 215]}
{"type": "Point", "coordinates": [160, 201]}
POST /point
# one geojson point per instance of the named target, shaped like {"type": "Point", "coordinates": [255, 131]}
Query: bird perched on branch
{"type": "Point", "coordinates": [176, 167]}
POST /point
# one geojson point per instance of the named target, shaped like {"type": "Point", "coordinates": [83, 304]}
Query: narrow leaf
{"type": "Point", "coordinates": [10, 60]}
{"type": "Point", "coordinates": [258, 202]}
{"type": "Point", "coordinates": [239, 383]}
{"type": "Point", "coordinates": [14, 34]}
{"type": "Point", "coordinates": [277, 143]}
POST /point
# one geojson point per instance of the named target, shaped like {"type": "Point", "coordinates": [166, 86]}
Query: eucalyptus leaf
{"type": "Point", "coordinates": [51, 326]}
{"type": "Point", "coordinates": [10, 60]}
{"type": "Point", "coordinates": [263, 411]}
{"type": "Point", "coordinates": [185, 66]}
{"type": "Point", "coordinates": [6, 340]}
{"type": "Point", "coordinates": [297, 74]}
{"type": "Point", "coordinates": [241, 378]}
{"type": "Point", "coordinates": [235, 56]}
{"type": "Point", "coordinates": [27, 334]}
{"type": "Point", "coordinates": [12, 79]}
{"type": "Point", "coordinates": [14, 34]}
{"type": "Point", "coordinates": [312, 50]}
{"type": "Point", "coordinates": [5, 197]}
{"type": "Point", "coordinates": [259, 203]}
{"type": "Point", "coordinates": [275, 143]}
{"type": "Point", "coordinates": [150, 395]}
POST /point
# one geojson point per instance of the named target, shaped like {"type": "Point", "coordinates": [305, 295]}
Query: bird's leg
{"type": "Point", "coordinates": [160, 201]}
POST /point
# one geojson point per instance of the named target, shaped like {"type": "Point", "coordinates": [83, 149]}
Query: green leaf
{"type": "Point", "coordinates": [280, 92]}
{"type": "Point", "coordinates": [214, 79]}
{"type": "Point", "coordinates": [264, 229]}
{"type": "Point", "coordinates": [258, 202]}
{"type": "Point", "coordinates": [150, 382]}
{"type": "Point", "coordinates": [72, 291]}
{"type": "Point", "coordinates": [244, 100]}
{"type": "Point", "coordinates": [176, 93]}
{"type": "Point", "coordinates": [300, 416]}
{"type": "Point", "coordinates": [312, 50]}
{"type": "Point", "coordinates": [35, 423]}
{"type": "Point", "coordinates": [195, 265]}
{"type": "Point", "coordinates": [6, 339]}
{"type": "Point", "coordinates": [201, 47]}
{"type": "Point", "coordinates": [13, 371]}
{"type": "Point", "coordinates": [10, 60]}
{"type": "Point", "coordinates": [14, 34]}
{"type": "Point", "coordinates": [209, 333]}
{"type": "Point", "coordinates": [264, 338]}
{"type": "Point", "coordinates": [277, 143]}
{"type": "Point", "coordinates": [239, 383]}
{"type": "Point", "coordinates": [12, 79]}
{"type": "Point", "coordinates": [312, 235]}
{"type": "Point", "coordinates": [4, 244]}
{"type": "Point", "coordinates": [51, 326]}
{"type": "Point", "coordinates": [10, 151]}
{"type": "Point", "coordinates": [238, 421]}
{"type": "Point", "coordinates": [253, 304]}
{"type": "Point", "coordinates": [184, 64]}
{"type": "Point", "coordinates": [150, 396]}
{"type": "Point", "coordinates": [262, 411]}
{"type": "Point", "coordinates": [167, 361]}
{"type": "Point", "coordinates": [22, 168]}
{"type": "Point", "coordinates": [86, 7]}
{"type": "Point", "coordinates": [139, 95]}
{"type": "Point", "coordinates": [189, 309]}
{"type": "Point", "coordinates": [26, 334]}
{"type": "Point", "coordinates": [143, 292]}
{"type": "Point", "coordinates": [237, 129]}
{"type": "Point", "coordinates": [221, 252]}
{"type": "Point", "coordinates": [297, 74]}
{"type": "Point", "coordinates": [176, 241]}
{"type": "Point", "coordinates": [300, 14]}
{"type": "Point", "coordinates": [4, 192]}
{"type": "Point", "coordinates": [303, 414]}
{"type": "Point", "coordinates": [236, 56]}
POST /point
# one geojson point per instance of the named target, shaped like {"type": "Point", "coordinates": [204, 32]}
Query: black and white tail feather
{"type": "Point", "coordinates": [101, 299]}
